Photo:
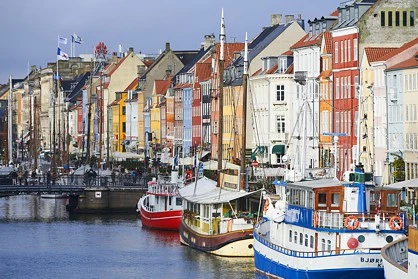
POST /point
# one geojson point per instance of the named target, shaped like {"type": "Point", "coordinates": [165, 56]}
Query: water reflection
{"type": "Point", "coordinates": [98, 246]}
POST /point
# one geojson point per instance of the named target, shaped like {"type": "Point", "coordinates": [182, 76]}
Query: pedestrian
{"type": "Point", "coordinates": [113, 176]}
{"type": "Point", "coordinates": [14, 177]}
{"type": "Point", "coordinates": [134, 176]}
{"type": "Point", "coordinates": [48, 178]}
{"type": "Point", "coordinates": [33, 176]}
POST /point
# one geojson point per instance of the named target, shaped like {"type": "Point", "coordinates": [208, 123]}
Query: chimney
{"type": "Point", "coordinates": [289, 18]}
{"type": "Point", "coordinates": [167, 47]}
{"type": "Point", "coordinates": [33, 68]}
{"type": "Point", "coordinates": [131, 49]}
{"type": "Point", "coordinates": [114, 58]}
{"type": "Point", "coordinates": [275, 19]}
{"type": "Point", "coordinates": [209, 41]}
{"type": "Point", "coordinates": [140, 70]}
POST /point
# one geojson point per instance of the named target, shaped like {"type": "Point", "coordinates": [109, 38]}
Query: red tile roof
{"type": "Point", "coordinates": [288, 52]}
{"type": "Point", "coordinates": [230, 49]}
{"type": "Point", "coordinates": [148, 63]}
{"type": "Point", "coordinates": [328, 42]}
{"type": "Point", "coordinates": [256, 73]}
{"type": "Point", "coordinates": [161, 86]}
{"type": "Point", "coordinates": [408, 63]}
{"type": "Point", "coordinates": [375, 53]}
{"type": "Point", "coordinates": [399, 50]}
{"type": "Point", "coordinates": [308, 41]}
{"type": "Point", "coordinates": [183, 85]}
{"type": "Point", "coordinates": [325, 74]}
{"type": "Point", "coordinates": [203, 71]}
{"type": "Point", "coordinates": [289, 69]}
{"type": "Point", "coordinates": [133, 85]}
{"type": "Point", "coordinates": [334, 13]}
{"type": "Point", "coordinates": [272, 70]}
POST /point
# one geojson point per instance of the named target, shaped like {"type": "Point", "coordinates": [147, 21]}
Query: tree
{"type": "Point", "coordinates": [398, 166]}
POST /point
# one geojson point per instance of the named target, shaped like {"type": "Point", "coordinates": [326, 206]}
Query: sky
{"type": "Point", "coordinates": [29, 29]}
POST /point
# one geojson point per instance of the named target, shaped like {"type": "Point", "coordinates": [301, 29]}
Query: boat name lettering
{"type": "Point", "coordinates": [293, 215]}
{"type": "Point", "coordinates": [372, 260]}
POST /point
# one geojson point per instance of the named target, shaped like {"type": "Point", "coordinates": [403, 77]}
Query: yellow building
{"type": "Point", "coordinates": [118, 110]}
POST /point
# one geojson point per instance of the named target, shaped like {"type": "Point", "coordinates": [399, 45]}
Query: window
{"type": "Point", "coordinates": [342, 51]}
{"type": "Point", "coordinates": [329, 245]}
{"type": "Point", "coordinates": [336, 52]}
{"type": "Point", "coordinates": [337, 88]}
{"type": "Point", "coordinates": [397, 18]}
{"type": "Point", "coordinates": [280, 93]}
{"type": "Point", "coordinates": [295, 237]}
{"type": "Point", "coordinates": [179, 201]}
{"type": "Point", "coordinates": [281, 124]}
{"type": "Point", "coordinates": [355, 47]}
{"type": "Point", "coordinates": [123, 127]}
{"type": "Point", "coordinates": [322, 199]}
{"type": "Point", "coordinates": [301, 238]}
{"type": "Point", "coordinates": [392, 200]}
{"type": "Point", "coordinates": [390, 19]}
{"type": "Point", "coordinates": [306, 240]}
{"type": "Point", "coordinates": [124, 110]}
{"type": "Point", "coordinates": [411, 18]}
{"type": "Point", "coordinates": [349, 51]}
{"type": "Point", "coordinates": [323, 244]}
{"type": "Point", "coordinates": [290, 236]}
{"type": "Point", "coordinates": [382, 18]}
{"type": "Point", "coordinates": [335, 199]}
{"type": "Point", "coordinates": [311, 241]}
{"type": "Point", "coordinates": [404, 18]}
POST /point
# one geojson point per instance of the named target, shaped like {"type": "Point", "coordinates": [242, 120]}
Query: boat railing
{"type": "Point", "coordinates": [356, 220]}
{"type": "Point", "coordinates": [396, 254]}
{"type": "Point", "coordinates": [315, 254]}
{"type": "Point", "coordinates": [163, 186]}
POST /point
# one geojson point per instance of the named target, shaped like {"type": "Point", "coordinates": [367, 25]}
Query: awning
{"type": "Point", "coordinates": [127, 155]}
{"type": "Point", "coordinates": [206, 192]}
{"type": "Point", "coordinates": [278, 149]}
{"type": "Point", "coordinates": [412, 183]}
{"type": "Point", "coordinates": [213, 165]}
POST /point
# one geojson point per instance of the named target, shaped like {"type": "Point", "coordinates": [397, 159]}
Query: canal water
{"type": "Point", "coordinates": [40, 239]}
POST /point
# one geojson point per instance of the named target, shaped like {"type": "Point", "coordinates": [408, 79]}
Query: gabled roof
{"type": "Point", "coordinates": [133, 85]}
{"type": "Point", "coordinates": [375, 53]}
{"type": "Point", "coordinates": [411, 62]}
{"type": "Point", "coordinates": [79, 84]}
{"type": "Point", "coordinates": [307, 41]}
{"type": "Point", "coordinates": [272, 70]}
{"type": "Point", "coordinates": [352, 21]}
{"type": "Point", "coordinates": [328, 42]}
{"type": "Point", "coordinates": [268, 35]}
{"type": "Point", "coordinates": [290, 69]}
{"type": "Point", "coordinates": [203, 71]}
{"type": "Point", "coordinates": [120, 62]}
{"type": "Point", "coordinates": [183, 85]}
{"type": "Point", "coordinates": [161, 86]}
{"type": "Point", "coordinates": [288, 53]}
{"type": "Point", "coordinates": [400, 49]}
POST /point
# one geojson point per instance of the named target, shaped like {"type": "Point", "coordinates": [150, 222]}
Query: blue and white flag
{"type": "Point", "coordinates": [61, 55]}
{"type": "Point", "coordinates": [62, 40]}
{"type": "Point", "coordinates": [77, 39]}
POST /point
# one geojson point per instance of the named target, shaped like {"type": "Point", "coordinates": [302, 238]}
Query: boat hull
{"type": "Point", "coordinates": [282, 263]}
{"type": "Point", "coordinates": [163, 220]}
{"type": "Point", "coordinates": [231, 244]}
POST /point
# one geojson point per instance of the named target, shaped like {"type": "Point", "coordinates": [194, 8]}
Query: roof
{"type": "Point", "coordinates": [411, 62]}
{"type": "Point", "coordinates": [400, 49]}
{"type": "Point", "coordinates": [79, 84]}
{"type": "Point", "coordinates": [290, 69]}
{"type": "Point", "coordinates": [328, 42]}
{"type": "Point", "coordinates": [375, 53]}
{"type": "Point", "coordinates": [325, 74]}
{"type": "Point", "coordinates": [308, 40]}
{"type": "Point", "coordinates": [120, 62]}
{"type": "Point", "coordinates": [205, 191]}
{"type": "Point", "coordinates": [161, 86]}
{"type": "Point", "coordinates": [267, 35]}
{"type": "Point", "coordinates": [203, 71]}
{"type": "Point", "coordinates": [133, 85]}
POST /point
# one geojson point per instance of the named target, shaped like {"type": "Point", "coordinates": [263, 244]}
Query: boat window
{"type": "Point", "coordinates": [169, 200]}
{"type": "Point", "coordinates": [179, 201]}
{"type": "Point", "coordinates": [335, 199]}
{"type": "Point", "coordinates": [310, 200]}
{"type": "Point", "coordinates": [302, 198]}
{"type": "Point", "coordinates": [311, 241]}
{"type": "Point", "coordinates": [301, 238]}
{"type": "Point", "coordinates": [323, 244]}
{"type": "Point", "coordinates": [306, 240]}
{"type": "Point", "coordinates": [322, 199]}
{"type": "Point", "coordinates": [206, 211]}
{"type": "Point", "coordinates": [296, 237]}
{"type": "Point", "coordinates": [392, 200]}
{"type": "Point", "coordinates": [329, 245]}
{"type": "Point", "coordinates": [290, 236]}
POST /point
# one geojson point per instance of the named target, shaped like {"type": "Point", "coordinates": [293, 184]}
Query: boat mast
{"type": "Point", "coordinates": [220, 95]}
{"type": "Point", "coordinates": [10, 121]}
{"type": "Point", "coordinates": [244, 114]}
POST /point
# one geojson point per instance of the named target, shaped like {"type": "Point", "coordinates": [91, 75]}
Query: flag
{"type": "Point", "coordinates": [62, 40]}
{"type": "Point", "coordinates": [77, 39]}
{"type": "Point", "coordinates": [61, 55]}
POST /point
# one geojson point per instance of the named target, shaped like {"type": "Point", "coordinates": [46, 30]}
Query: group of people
{"type": "Point", "coordinates": [25, 177]}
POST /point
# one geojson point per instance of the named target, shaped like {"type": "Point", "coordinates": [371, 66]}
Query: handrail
{"type": "Point", "coordinates": [391, 246]}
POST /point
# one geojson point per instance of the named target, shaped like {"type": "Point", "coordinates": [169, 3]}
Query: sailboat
{"type": "Point", "coordinates": [327, 228]}
{"type": "Point", "coordinates": [217, 216]}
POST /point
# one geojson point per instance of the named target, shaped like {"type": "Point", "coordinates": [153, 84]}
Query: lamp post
{"type": "Point", "coordinates": [21, 142]}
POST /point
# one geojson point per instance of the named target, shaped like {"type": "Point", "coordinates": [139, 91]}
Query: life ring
{"type": "Point", "coordinates": [351, 222]}
{"type": "Point", "coordinates": [266, 206]}
{"type": "Point", "coordinates": [395, 223]}
{"type": "Point", "coordinates": [315, 220]}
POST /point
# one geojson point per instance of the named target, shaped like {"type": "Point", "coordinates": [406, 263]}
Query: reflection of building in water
{"type": "Point", "coordinates": [32, 207]}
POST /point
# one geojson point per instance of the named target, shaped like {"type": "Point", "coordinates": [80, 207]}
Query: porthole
{"type": "Point", "coordinates": [361, 238]}
{"type": "Point", "coordinates": [389, 239]}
